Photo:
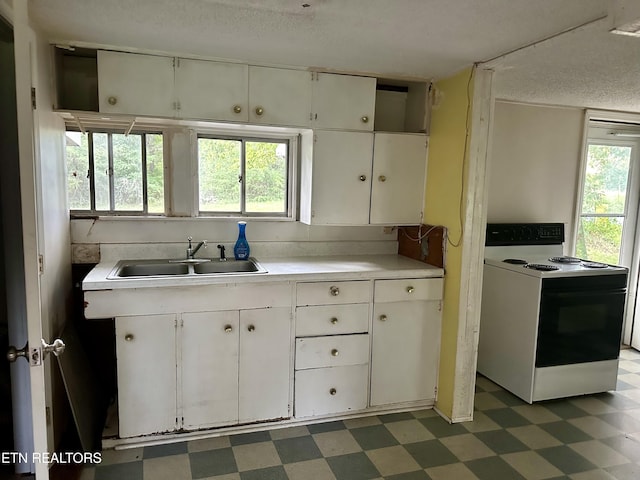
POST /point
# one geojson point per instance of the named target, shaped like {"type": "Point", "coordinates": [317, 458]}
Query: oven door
{"type": "Point", "coordinates": [580, 319]}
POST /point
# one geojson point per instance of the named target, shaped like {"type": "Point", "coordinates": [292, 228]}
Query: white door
{"type": "Point", "coordinates": [343, 102]}
{"type": "Point", "coordinates": [399, 178]}
{"type": "Point", "coordinates": [341, 178]}
{"type": "Point", "coordinates": [212, 90]}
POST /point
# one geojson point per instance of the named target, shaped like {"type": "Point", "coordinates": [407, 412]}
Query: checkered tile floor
{"type": "Point", "coordinates": [584, 438]}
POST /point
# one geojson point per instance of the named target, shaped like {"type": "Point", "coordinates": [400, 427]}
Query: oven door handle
{"type": "Point", "coordinates": [583, 293]}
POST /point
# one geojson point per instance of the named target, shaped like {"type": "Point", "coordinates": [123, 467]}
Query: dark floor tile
{"type": "Point", "coordinates": [355, 466]}
{"type": "Point", "coordinates": [326, 427]}
{"type": "Point", "coordinates": [246, 438]}
{"type": "Point", "coordinates": [440, 428]}
{"type": "Point", "coordinates": [501, 442]}
{"type": "Point", "coordinates": [508, 398]}
{"type": "Point", "coordinates": [624, 445]}
{"type": "Point", "coordinates": [566, 460]}
{"type": "Point", "coordinates": [620, 385]}
{"type": "Point", "coordinates": [617, 401]}
{"type": "Point", "coordinates": [419, 475]}
{"type": "Point", "coordinates": [297, 449]}
{"type": "Point", "coordinates": [630, 471]}
{"type": "Point", "coordinates": [120, 471]}
{"type": "Point", "coordinates": [623, 422]}
{"type": "Point", "coordinates": [375, 436]}
{"type": "Point", "coordinates": [493, 468]}
{"type": "Point", "coordinates": [396, 417]}
{"type": "Point", "coordinates": [565, 432]}
{"type": "Point", "coordinates": [212, 462]}
{"type": "Point", "coordinates": [430, 453]}
{"type": "Point", "coordinates": [506, 417]}
{"type": "Point", "coordinates": [270, 473]}
{"type": "Point", "coordinates": [165, 450]}
{"type": "Point", "coordinates": [564, 409]}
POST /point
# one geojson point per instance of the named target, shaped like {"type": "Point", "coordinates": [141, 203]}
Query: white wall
{"type": "Point", "coordinates": [534, 164]}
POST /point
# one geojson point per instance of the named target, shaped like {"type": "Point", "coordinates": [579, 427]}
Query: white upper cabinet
{"type": "Point", "coordinates": [212, 90]}
{"type": "Point", "coordinates": [399, 177]}
{"type": "Point", "coordinates": [135, 84]}
{"type": "Point", "coordinates": [343, 102]}
{"type": "Point", "coordinates": [279, 97]}
{"type": "Point", "coordinates": [339, 175]}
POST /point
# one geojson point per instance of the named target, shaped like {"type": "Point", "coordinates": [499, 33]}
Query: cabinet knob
{"type": "Point", "coordinates": [410, 289]}
{"type": "Point", "coordinates": [382, 178]}
{"type": "Point", "coordinates": [112, 100]}
{"type": "Point", "coordinates": [259, 111]}
{"type": "Point", "coordinates": [383, 318]}
{"type": "Point", "coordinates": [334, 291]}
{"type": "Point", "coordinates": [228, 328]}
{"type": "Point", "coordinates": [364, 119]}
{"type": "Point", "coordinates": [334, 320]}
{"type": "Point", "coordinates": [128, 337]}
{"type": "Point", "coordinates": [362, 178]}
{"type": "Point", "coordinates": [335, 352]}
{"type": "Point", "coordinates": [237, 109]}
{"type": "Point", "coordinates": [333, 391]}
{"type": "Point", "coordinates": [251, 328]}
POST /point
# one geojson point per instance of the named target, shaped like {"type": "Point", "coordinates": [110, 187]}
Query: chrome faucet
{"type": "Point", "coordinates": [192, 251]}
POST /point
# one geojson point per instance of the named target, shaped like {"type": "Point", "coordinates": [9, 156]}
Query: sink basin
{"type": "Point", "coordinates": [230, 266]}
{"type": "Point", "coordinates": [151, 269]}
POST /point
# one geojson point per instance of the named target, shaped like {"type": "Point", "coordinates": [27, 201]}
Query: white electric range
{"type": "Point", "coordinates": [550, 325]}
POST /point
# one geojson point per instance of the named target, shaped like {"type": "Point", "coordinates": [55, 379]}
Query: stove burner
{"type": "Point", "coordinates": [594, 265]}
{"type": "Point", "coordinates": [515, 261]}
{"type": "Point", "coordinates": [570, 260]}
{"type": "Point", "coordinates": [542, 267]}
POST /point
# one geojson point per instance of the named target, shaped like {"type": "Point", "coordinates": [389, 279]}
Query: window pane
{"type": "Point", "coordinates": [101, 170]}
{"type": "Point", "coordinates": [266, 177]}
{"type": "Point", "coordinates": [127, 172]}
{"type": "Point", "coordinates": [219, 175]}
{"type": "Point", "coordinates": [599, 239]}
{"type": "Point", "coordinates": [155, 174]}
{"type": "Point", "coordinates": [606, 176]}
{"type": "Point", "coordinates": [77, 158]}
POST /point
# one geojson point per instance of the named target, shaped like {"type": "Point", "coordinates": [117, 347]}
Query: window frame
{"type": "Point", "coordinates": [292, 142]}
{"type": "Point", "coordinates": [92, 211]}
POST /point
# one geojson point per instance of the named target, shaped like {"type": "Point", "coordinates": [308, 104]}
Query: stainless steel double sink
{"type": "Point", "coordinates": [164, 268]}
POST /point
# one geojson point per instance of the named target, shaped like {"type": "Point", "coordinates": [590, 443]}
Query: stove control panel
{"type": "Point", "coordinates": [501, 234]}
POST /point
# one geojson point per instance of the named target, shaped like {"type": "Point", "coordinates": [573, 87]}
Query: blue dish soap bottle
{"type": "Point", "coordinates": [241, 249]}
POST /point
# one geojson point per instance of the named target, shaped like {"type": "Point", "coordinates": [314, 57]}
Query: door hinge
{"type": "Point", "coordinates": [41, 264]}
{"type": "Point", "coordinates": [33, 97]}
{"type": "Point", "coordinates": [47, 414]}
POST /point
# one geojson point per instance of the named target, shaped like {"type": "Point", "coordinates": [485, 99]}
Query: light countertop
{"type": "Point", "coordinates": [310, 268]}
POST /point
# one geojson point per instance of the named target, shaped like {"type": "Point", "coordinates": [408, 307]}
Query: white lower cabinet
{"type": "Point", "coordinates": [146, 352]}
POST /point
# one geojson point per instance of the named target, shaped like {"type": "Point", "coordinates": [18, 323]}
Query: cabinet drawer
{"type": "Point", "coordinates": [408, 289]}
{"type": "Point", "coordinates": [332, 351]}
{"type": "Point", "coordinates": [324, 391]}
{"type": "Point", "coordinates": [332, 319]}
{"type": "Point", "coordinates": [336, 293]}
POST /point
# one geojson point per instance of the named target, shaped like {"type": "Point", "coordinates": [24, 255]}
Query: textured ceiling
{"type": "Point", "coordinates": [389, 38]}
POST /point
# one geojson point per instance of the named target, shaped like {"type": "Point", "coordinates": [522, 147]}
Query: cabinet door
{"type": "Point", "coordinates": [398, 180]}
{"type": "Point", "coordinates": [265, 364]}
{"type": "Point", "coordinates": [343, 102]}
{"type": "Point", "coordinates": [405, 351]}
{"type": "Point", "coordinates": [209, 368]}
{"type": "Point", "coordinates": [146, 365]}
{"type": "Point", "coordinates": [212, 90]}
{"type": "Point", "coordinates": [279, 96]}
{"type": "Point", "coordinates": [135, 84]}
{"type": "Point", "coordinates": [341, 178]}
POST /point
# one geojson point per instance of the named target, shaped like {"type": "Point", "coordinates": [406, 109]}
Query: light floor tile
{"type": "Point", "coordinates": [392, 460]}
{"type": "Point", "coordinates": [534, 437]}
{"type": "Point", "coordinates": [457, 471]}
{"type": "Point", "coordinates": [633, 394]}
{"type": "Point", "coordinates": [486, 401]}
{"type": "Point", "coordinates": [205, 444]}
{"type": "Point", "coordinates": [362, 422]}
{"type": "Point", "coordinates": [339, 442]}
{"type": "Point", "coordinates": [595, 427]}
{"type": "Point", "coordinates": [635, 413]}
{"type": "Point", "coordinates": [172, 467]}
{"type": "Point", "coordinates": [531, 465]}
{"type": "Point", "coordinates": [229, 476]}
{"type": "Point", "coordinates": [409, 431]}
{"type": "Point", "coordinates": [631, 379]}
{"type": "Point", "coordinates": [592, 405]}
{"type": "Point", "coordinates": [537, 413]}
{"type": "Point", "coordinates": [487, 385]}
{"type": "Point", "coordinates": [317, 469]}
{"type": "Point", "coordinates": [599, 454]}
{"type": "Point", "coordinates": [629, 366]}
{"type": "Point", "coordinates": [592, 475]}
{"type": "Point", "coordinates": [481, 423]}
{"type": "Point", "coordinates": [467, 447]}
{"type": "Point", "coordinates": [291, 432]}
{"type": "Point", "coordinates": [110, 457]}
{"type": "Point", "coordinates": [256, 455]}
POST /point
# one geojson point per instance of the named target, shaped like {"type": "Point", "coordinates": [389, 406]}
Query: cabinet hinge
{"type": "Point", "coordinates": [33, 97]}
{"type": "Point", "coordinates": [440, 306]}
{"type": "Point", "coordinates": [315, 139]}
{"type": "Point", "coordinates": [176, 105]}
{"type": "Point", "coordinates": [41, 264]}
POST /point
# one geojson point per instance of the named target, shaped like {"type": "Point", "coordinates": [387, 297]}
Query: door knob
{"type": "Point", "coordinates": [13, 353]}
{"type": "Point", "coordinates": [57, 348]}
